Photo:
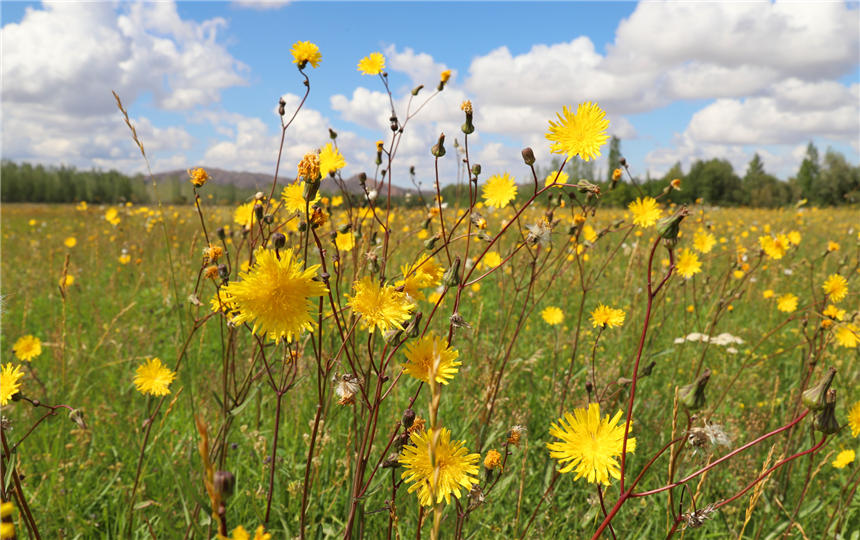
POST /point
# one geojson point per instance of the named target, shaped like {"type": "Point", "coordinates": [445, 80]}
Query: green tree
{"type": "Point", "coordinates": [614, 156]}
{"type": "Point", "coordinates": [808, 174]}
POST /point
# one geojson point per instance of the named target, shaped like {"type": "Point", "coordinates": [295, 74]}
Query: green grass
{"type": "Point", "coordinates": [79, 482]}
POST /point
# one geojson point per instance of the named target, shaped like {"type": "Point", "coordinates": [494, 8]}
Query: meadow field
{"type": "Point", "coordinates": [525, 362]}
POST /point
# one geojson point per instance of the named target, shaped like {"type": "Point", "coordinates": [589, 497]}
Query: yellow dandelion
{"type": "Point", "coordinates": [380, 306]}
{"type": "Point", "coordinates": [552, 315]}
{"type": "Point", "coordinates": [645, 211]}
{"type": "Point", "coordinates": [331, 160]}
{"type": "Point", "coordinates": [794, 238]}
{"type": "Point", "coordinates": [198, 176]}
{"type": "Point", "coordinates": [304, 53]}
{"type": "Point", "coordinates": [498, 191]}
{"type": "Point", "coordinates": [430, 354]}
{"type": "Point", "coordinates": [843, 459]}
{"type": "Point", "coordinates": [832, 246]}
{"type": "Point", "coordinates": [786, 303]}
{"type": "Point", "coordinates": [556, 179]}
{"type": "Point", "coordinates": [372, 64]}
{"type": "Point", "coordinates": [493, 460]}
{"type": "Point", "coordinates": [244, 214]}
{"type": "Point", "coordinates": [703, 241]}
{"type": "Point", "coordinates": [345, 241]}
{"type": "Point", "coordinates": [294, 197]}
{"type": "Point", "coordinates": [607, 317]}
{"type": "Point", "coordinates": [67, 281]}
{"type": "Point", "coordinates": [767, 293]}
{"type": "Point", "coordinates": [9, 382]}
{"type": "Point", "coordinates": [70, 242]}
{"type": "Point", "coordinates": [581, 134]}
{"type": "Point", "coordinates": [491, 259]}
{"type": "Point", "coordinates": [27, 347]}
{"type": "Point", "coordinates": [688, 263]}
{"type": "Point", "coordinates": [153, 377]}
{"type": "Point", "coordinates": [833, 312]}
{"type": "Point", "coordinates": [774, 247]}
{"type": "Point", "coordinates": [835, 287]}
{"type": "Point", "coordinates": [848, 335]}
{"type": "Point", "coordinates": [589, 445]}
{"type": "Point", "coordinates": [455, 467]}
{"type": "Point", "coordinates": [854, 419]}
{"type": "Point", "coordinates": [275, 294]}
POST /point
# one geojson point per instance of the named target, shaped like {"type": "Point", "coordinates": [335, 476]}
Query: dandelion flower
{"type": "Point", "coordinates": [428, 355]}
{"type": "Point", "coordinates": [843, 459]}
{"type": "Point", "coordinates": [703, 241]}
{"type": "Point", "coordinates": [786, 303]}
{"type": "Point", "coordinates": [832, 246]}
{"type": "Point", "coordinates": [774, 246]}
{"type": "Point", "coordinates": [345, 241]}
{"type": "Point", "coordinates": [331, 160]}
{"type": "Point", "coordinates": [70, 242]}
{"type": "Point", "coordinates": [499, 190]}
{"type": "Point", "coordinates": [556, 179]}
{"type": "Point", "coordinates": [239, 533]}
{"type": "Point", "coordinates": [372, 64]}
{"type": "Point", "coordinates": [9, 382]}
{"type": "Point", "coordinates": [794, 238]}
{"type": "Point", "coordinates": [491, 259]}
{"type": "Point", "coordinates": [589, 445]}
{"type": "Point", "coordinates": [552, 315]}
{"type": "Point", "coordinates": [275, 294]}
{"type": "Point", "coordinates": [493, 460]}
{"type": "Point", "coordinates": [304, 53]}
{"type": "Point", "coordinates": [456, 467]}
{"type": "Point", "coordinates": [645, 211]}
{"type": "Point", "coordinates": [688, 263]}
{"type": "Point", "coordinates": [581, 134]}
{"type": "Point", "coordinates": [835, 287]}
{"type": "Point", "coordinates": [854, 419]}
{"type": "Point", "coordinates": [244, 214]}
{"type": "Point", "coordinates": [294, 197]}
{"type": "Point", "coordinates": [67, 281]}
{"type": "Point", "coordinates": [380, 306]}
{"type": "Point", "coordinates": [833, 312]}
{"type": "Point", "coordinates": [198, 176]}
{"type": "Point", "coordinates": [848, 335]}
{"type": "Point", "coordinates": [767, 293]}
{"type": "Point", "coordinates": [153, 377]}
{"type": "Point", "coordinates": [27, 347]}
{"type": "Point", "coordinates": [607, 317]}
{"type": "Point", "coordinates": [589, 234]}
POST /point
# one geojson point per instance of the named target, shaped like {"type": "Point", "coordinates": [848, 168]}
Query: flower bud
{"type": "Point", "coordinates": [417, 89]}
{"type": "Point", "coordinates": [814, 397]}
{"type": "Point", "coordinates": [413, 328]}
{"type": "Point", "coordinates": [224, 482]}
{"type": "Point", "coordinates": [282, 107]}
{"type": "Point", "coordinates": [476, 169]}
{"type": "Point", "coordinates": [408, 418]}
{"type": "Point", "coordinates": [332, 134]}
{"type": "Point", "coordinates": [222, 234]}
{"type": "Point", "coordinates": [438, 149]}
{"type": "Point", "coordinates": [825, 421]}
{"type": "Point", "coordinates": [528, 156]}
{"type": "Point", "coordinates": [452, 275]}
{"type": "Point", "coordinates": [279, 240]}
{"type": "Point", "coordinates": [430, 243]}
{"type": "Point", "coordinates": [77, 416]}
{"type": "Point", "coordinates": [311, 189]}
{"type": "Point", "coordinates": [393, 123]}
{"type": "Point", "coordinates": [669, 227]}
{"type": "Point", "coordinates": [692, 395]}
{"type": "Point", "coordinates": [362, 178]}
{"type": "Point", "coordinates": [258, 211]}
{"type": "Point", "coordinates": [223, 271]}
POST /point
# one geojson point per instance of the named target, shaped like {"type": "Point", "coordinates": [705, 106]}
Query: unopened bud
{"type": "Point", "coordinates": [814, 397]}
{"type": "Point", "coordinates": [476, 169]}
{"type": "Point", "coordinates": [222, 234]}
{"type": "Point", "coordinates": [417, 89]}
{"type": "Point", "coordinates": [408, 418]}
{"type": "Point", "coordinates": [825, 421]}
{"type": "Point", "coordinates": [668, 228]}
{"type": "Point", "coordinates": [332, 134]}
{"type": "Point", "coordinates": [430, 243]}
{"type": "Point", "coordinates": [258, 211]}
{"type": "Point", "coordinates": [223, 271]}
{"type": "Point", "coordinates": [362, 178]}
{"type": "Point", "coordinates": [438, 149]}
{"type": "Point", "coordinates": [692, 395]}
{"type": "Point", "coordinates": [311, 188]}
{"type": "Point", "coordinates": [394, 124]}
{"type": "Point", "coordinates": [282, 107]}
{"type": "Point", "coordinates": [528, 156]}
{"type": "Point", "coordinates": [451, 278]}
{"type": "Point", "coordinates": [279, 240]}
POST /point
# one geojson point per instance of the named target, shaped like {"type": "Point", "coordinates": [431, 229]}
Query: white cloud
{"type": "Point", "coordinates": [420, 67]}
{"type": "Point", "coordinates": [261, 4]}
{"type": "Point", "coordinates": [61, 62]}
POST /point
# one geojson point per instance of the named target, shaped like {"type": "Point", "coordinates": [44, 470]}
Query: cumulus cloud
{"type": "Point", "coordinates": [420, 67]}
{"type": "Point", "coordinates": [261, 4]}
{"type": "Point", "coordinates": [61, 62]}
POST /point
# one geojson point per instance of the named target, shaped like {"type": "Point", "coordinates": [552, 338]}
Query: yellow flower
{"type": "Point", "coordinates": [294, 197]}
{"type": "Point", "coordinates": [199, 176]}
{"type": "Point", "coordinates": [774, 246]}
{"type": "Point", "coordinates": [589, 234]}
{"type": "Point", "coordinates": [305, 52]}
{"type": "Point", "coordinates": [373, 64]}
{"type": "Point", "coordinates": [309, 167]}
{"type": "Point", "coordinates": [275, 294]}
{"type": "Point", "coordinates": [854, 419]}
{"type": "Point", "coordinates": [213, 252]}
{"type": "Point", "coordinates": [153, 377]}
{"type": "Point", "coordinates": [703, 241]}
{"type": "Point", "coordinates": [345, 241]}
{"type": "Point", "coordinates": [445, 75]}
{"type": "Point", "coordinates": [336, 201]}
{"type": "Point", "coordinates": [676, 184]}
{"type": "Point", "coordinates": [581, 134]}
{"type": "Point", "coordinates": [466, 107]}
{"type": "Point", "coordinates": [787, 303]}
{"type": "Point", "coordinates": [645, 211]}
{"type": "Point", "coordinates": [380, 306]}
{"type": "Point", "coordinates": [112, 216]}
{"type": "Point", "coordinates": [493, 460]}
{"type": "Point", "coordinates": [454, 468]}
{"type": "Point", "coordinates": [794, 238]}
{"type": "Point", "coordinates": [834, 312]}
{"type": "Point", "coordinates": [9, 385]}
{"type": "Point", "coordinates": [430, 354]}
{"type": "Point", "coordinates": [556, 178]}
{"type": "Point", "coordinates": [832, 246]}
{"type": "Point", "coordinates": [331, 160]}
{"type": "Point", "coordinates": [498, 191]}
{"type": "Point", "coordinates": [607, 317]}
{"type": "Point", "coordinates": [843, 459]}
{"type": "Point", "coordinates": [552, 315]}
{"type": "Point", "coordinates": [767, 293]}
{"type": "Point", "coordinates": [491, 259]}
{"type": "Point", "coordinates": [239, 533]}
{"type": "Point", "coordinates": [244, 214]}
{"type": "Point", "coordinates": [848, 335]}
{"type": "Point", "coordinates": [7, 526]}
{"type": "Point", "coordinates": [688, 263]}
{"type": "Point", "coordinates": [67, 281]}
{"type": "Point", "coordinates": [616, 174]}
{"type": "Point", "coordinates": [589, 445]}
{"type": "Point", "coordinates": [70, 242]}
{"type": "Point", "coordinates": [124, 258]}
{"type": "Point", "coordinates": [835, 287]}
{"type": "Point", "coordinates": [27, 347]}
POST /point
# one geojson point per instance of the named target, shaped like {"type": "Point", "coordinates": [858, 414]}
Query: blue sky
{"type": "Point", "coordinates": [679, 81]}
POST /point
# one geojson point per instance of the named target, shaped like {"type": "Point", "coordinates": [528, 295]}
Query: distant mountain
{"type": "Point", "coordinates": [261, 181]}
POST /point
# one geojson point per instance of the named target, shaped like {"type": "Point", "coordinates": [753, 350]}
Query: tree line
{"type": "Point", "coordinates": [827, 181]}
